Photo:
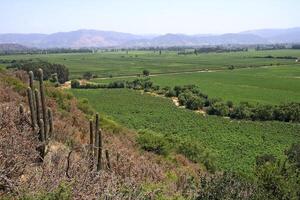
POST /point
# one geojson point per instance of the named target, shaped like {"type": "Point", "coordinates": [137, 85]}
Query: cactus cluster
{"type": "Point", "coordinates": [96, 147]}
{"type": "Point", "coordinates": [41, 117]}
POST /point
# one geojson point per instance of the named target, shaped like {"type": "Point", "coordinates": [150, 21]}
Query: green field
{"type": "Point", "coordinates": [269, 85]}
{"type": "Point", "coordinates": [234, 143]}
{"type": "Point", "coordinates": [104, 64]}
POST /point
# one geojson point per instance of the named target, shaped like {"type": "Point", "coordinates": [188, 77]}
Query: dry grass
{"type": "Point", "coordinates": [134, 174]}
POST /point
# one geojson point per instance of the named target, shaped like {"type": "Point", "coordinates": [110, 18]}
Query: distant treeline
{"type": "Point", "coordinates": [296, 46]}
{"type": "Point", "coordinates": [50, 69]}
{"type": "Point", "coordinates": [45, 51]}
{"type": "Point", "coordinates": [277, 57]}
{"type": "Point", "coordinates": [217, 49]}
{"type": "Point", "coordinates": [193, 98]}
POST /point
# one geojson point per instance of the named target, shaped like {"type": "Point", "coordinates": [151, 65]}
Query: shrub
{"type": "Point", "coordinates": [170, 93]}
{"type": "Point", "coordinates": [225, 186]}
{"type": "Point", "coordinates": [219, 109]}
{"type": "Point", "coordinates": [194, 103]}
{"type": "Point", "coordinates": [229, 104]}
{"type": "Point", "coordinates": [197, 153]}
{"type": "Point", "coordinates": [146, 72]}
{"type": "Point", "coordinates": [263, 112]}
{"type": "Point", "coordinates": [85, 107]}
{"type": "Point", "coordinates": [154, 142]}
{"type": "Point", "coordinates": [75, 84]}
{"type": "Point", "coordinates": [263, 159]}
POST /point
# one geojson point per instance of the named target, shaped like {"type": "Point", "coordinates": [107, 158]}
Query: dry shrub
{"type": "Point", "coordinates": [67, 159]}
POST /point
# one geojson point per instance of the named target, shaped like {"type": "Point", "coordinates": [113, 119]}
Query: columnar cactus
{"type": "Point", "coordinates": [98, 142]}
{"type": "Point", "coordinates": [42, 134]}
{"type": "Point", "coordinates": [96, 134]}
{"type": "Point", "coordinates": [31, 106]}
{"type": "Point", "coordinates": [99, 154]}
{"type": "Point", "coordinates": [50, 120]}
{"type": "Point", "coordinates": [91, 145]}
{"type": "Point", "coordinates": [42, 93]}
{"type": "Point", "coordinates": [38, 107]}
{"type": "Point", "coordinates": [31, 78]}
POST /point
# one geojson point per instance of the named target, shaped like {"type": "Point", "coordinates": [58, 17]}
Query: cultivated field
{"type": "Point", "coordinates": [104, 64]}
{"type": "Point", "coordinates": [268, 85]}
{"type": "Point", "coordinates": [268, 77]}
{"type": "Point", "coordinates": [235, 144]}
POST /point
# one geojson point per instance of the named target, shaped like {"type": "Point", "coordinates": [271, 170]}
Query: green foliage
{"type": "Point", "coordinates": [62, 98]}
{"type": "Point", "coordinates": [15, 83]}
{"type": "Point", "coordinates": [218, 108]}
{"type": "Point", "coordinates": [195, 151]}
{"type": "Point", "coordinates": [235, 144]}
{"type": "Point", "coordinates": [171, 93]}
{"type": "Point", "coordinates": [146, 72]}
{"type": "Point", "coordinates": [154, 142]}
{"type": "Point", "coordinates": [48, 68]}
{"type": "Point", "coordinates": [225, 186]}
{"type": "Point", "coordinates": [75, 84]}
{"type": "Point", "coordinates": [85, 107]}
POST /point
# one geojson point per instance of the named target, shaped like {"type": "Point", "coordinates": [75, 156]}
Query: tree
{"type": "Point", "coordinates": [146, 72]}
{"type": "Point", "coordinates": [87, 75]}
{"type": "Point", "coordinates": [75, 84]}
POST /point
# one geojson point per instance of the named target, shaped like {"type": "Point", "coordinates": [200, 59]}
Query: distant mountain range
{"type": "Point", "coordinates": [95, 38]}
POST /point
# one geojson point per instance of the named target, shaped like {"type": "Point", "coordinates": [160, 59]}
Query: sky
{"type": "Point", "coordinates": [147, 16]}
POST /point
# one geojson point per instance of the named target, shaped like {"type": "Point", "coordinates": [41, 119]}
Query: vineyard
{"type": "Point", "coordinates": [234, 144]}
{"type": "Point", "coordinates": [105, 64]}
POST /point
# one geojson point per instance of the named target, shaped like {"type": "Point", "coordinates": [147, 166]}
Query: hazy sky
{"type": "Point", "coordinates": [147, 16]}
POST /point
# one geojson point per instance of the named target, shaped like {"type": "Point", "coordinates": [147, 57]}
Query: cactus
{"type": "Point", "coordinates": [96, 135]}
{"type": "Point", "coordinates": [99, 154]}
{"type": "Point", "coordinates": [31, 78]}
{"type": "Point", "coordinates": [50, 119]}
{"type": "Point", "coordinates": [42, 94]}
{"type": "Point", "coordinates": [37, 104]}
{"type": "Point", "coordinates": [107, 159]}
{"type": "Point", "coordinates": [91, 145]}
{"type": "Point", "coordinates": [32, 111]}
{"type": "Point", "coordinates": [41, 148]}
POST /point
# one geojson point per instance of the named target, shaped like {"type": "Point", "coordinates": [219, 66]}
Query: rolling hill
{"type": "Point", "coordinates": [96, 38]}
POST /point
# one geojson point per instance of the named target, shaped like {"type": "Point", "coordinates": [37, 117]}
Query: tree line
{"type": "Point", "coordinates": [52, 71]}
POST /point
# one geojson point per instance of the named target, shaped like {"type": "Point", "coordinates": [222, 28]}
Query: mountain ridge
{"type": "Point", "coordinates": [97, 38]}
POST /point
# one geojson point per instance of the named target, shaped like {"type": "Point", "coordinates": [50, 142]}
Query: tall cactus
{"type": "Point", "coordinates": [50, 120]}
{"type": "Point", "coordinates": [91, 146]}
{"type": "Point", "coordinates": [42, 93]}
{"type": "Point", "coordinates": [38, 108]}
{"type": "Point", "coordinates": [31, 106]}
{"type": "Point", "coordinates": [42, 134]}
{"type": "Point", "coordinates": [31, 78]}
{"type": "Point", "coordinates": [96, 135]}
{"type": "Point", "coordinates": [98, 143]}
{"type": "Point", "coordinates": [99, 154]}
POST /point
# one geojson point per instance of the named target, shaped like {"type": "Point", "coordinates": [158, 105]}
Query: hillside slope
{"type": "Point", "coordinates": [65, 170]}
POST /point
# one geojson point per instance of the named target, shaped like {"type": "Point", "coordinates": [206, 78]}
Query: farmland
{"type": "Point", "coordinates": [269, 85]}
{"type": "Point", "coordinates": [104, 64]}
{"type": "Point", "coordinates": [267, 77]}
{"type": "Point", "coordinates": [235, 144]}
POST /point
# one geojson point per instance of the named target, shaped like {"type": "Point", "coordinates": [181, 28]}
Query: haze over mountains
{"type": "Point", "coordinates": [95, 38]}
